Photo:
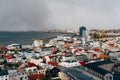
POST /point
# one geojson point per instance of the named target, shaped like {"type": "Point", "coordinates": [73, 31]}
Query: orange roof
{"type": "Point", "coordinates": [103, 56]}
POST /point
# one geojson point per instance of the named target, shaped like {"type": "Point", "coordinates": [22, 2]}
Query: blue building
{"type": "Point", "coordinates": [82, 31]}
{"type": "Point", "coordinates": [4, 75]}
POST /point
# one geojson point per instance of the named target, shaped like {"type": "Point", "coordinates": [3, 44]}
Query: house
{"type": "Point", "coordinates": [4, 75]}
{"type": "Point", "coordinates": [52, 72]}
{"type": "Point", "coordinates": [14, 46]}
{"type": "Point", "coordinates": [13, 74]}
{"type": "Point", "coordinates": [114, 55]}
{"type": "Point", "coordinates": [81, 57]}
{"type": "Point", "coordinates": [22, 75]}
{"type": "Point", "coordinates": [36, 61]}
{"type": "Point", "coordinates": [35, 70]}
{"type": "Point", "coordinates": [17, 75]}
{"type": "Point", "coordinates": [31, 70]}
{"type": "Point", "coordinates": [41, 71]}
{"type": "Point", "coordinates": [69, 64]}
{"type": "Point", "coordinates": [67, 57]}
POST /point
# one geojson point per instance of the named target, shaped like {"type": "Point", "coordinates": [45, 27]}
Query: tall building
{"type": "Point", "coordinates": [82, 31]}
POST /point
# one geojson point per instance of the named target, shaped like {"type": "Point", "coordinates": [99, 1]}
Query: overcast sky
{"type": "Point", "coordinates": [37, 15]}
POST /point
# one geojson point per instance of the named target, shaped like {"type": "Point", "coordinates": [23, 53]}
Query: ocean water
{"type": "Point", "coordinates": [7, 38]}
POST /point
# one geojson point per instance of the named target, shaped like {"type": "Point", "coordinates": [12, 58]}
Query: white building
{"type": "Point", "coordinates": [17, 75]}
{"type": "Point", "coordinates": [31, 69]}
{"type": "Point", "coordinates": [64, 58]}
{"type": "Point", "coordinates": [36, 61]}
{"type": "Point", "coordinates": [67, 64]}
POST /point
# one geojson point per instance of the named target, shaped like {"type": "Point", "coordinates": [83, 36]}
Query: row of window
{"type": "Point", "coordinates": [95, 73]}
{"type": "Point", "coordinates": [21, 78]}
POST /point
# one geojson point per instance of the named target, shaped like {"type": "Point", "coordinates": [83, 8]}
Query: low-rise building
{"type": "Point", "coordinates": [4, 75]}
{"type": "Point", "coordinates": [18, 75]}
{"type": "Point", "coordinates": [69, 64]}
{"type": "Point", "coordinates": [31, 70]}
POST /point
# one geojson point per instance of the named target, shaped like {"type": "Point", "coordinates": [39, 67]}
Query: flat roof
{"type": "Point", "coordinates": [74, 73]}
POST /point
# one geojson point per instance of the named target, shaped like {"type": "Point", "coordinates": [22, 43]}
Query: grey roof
{"type": "Point", "coordinates": [95, 66]}
{"type": "Point", "coordinates": [74, 73]}
{"type": "Point", "coordinates": [77, 74]}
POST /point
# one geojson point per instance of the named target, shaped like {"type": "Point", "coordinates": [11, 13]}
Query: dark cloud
{"type": "Point", "coordinates": [90, 13]}
{"type": "Point", "coordinates": [17, 15]}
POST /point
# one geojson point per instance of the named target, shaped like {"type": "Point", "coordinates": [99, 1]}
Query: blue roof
{"type": "Point", "coordinates": [3, 72]}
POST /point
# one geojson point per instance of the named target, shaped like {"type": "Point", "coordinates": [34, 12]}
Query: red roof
{"type": "Point", "coordinates": [53, 63]}
{"type": "Point", "coordinates": [86, 50]}
{"type": "Point", "coordinates": [82, 63]}
{"type": "Point", "coordinates": [36, 76]}
{"type": "Point", "coordinates": [3, 47]}
{"type": "Point", "coordinates": [7, 56]}
{"type": "Point", "coordinates": [94, 55]}
{"type": "Point", "coordinates": [50, 62]}
{"type": "Point", "coordinates": [31, 64]}
{"type": "Point", "coordinates": [80, 49]}
{"type": "Point", "coordinates": [96, 49]}
{"type": "Point", "coordinates": [76, 51]}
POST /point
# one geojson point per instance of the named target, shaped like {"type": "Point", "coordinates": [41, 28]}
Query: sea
{"type": "Point", "coordinates": [24, 38]}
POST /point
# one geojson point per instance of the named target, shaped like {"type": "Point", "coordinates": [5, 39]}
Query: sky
{"type": "Point", "coordinates": [37, 15]}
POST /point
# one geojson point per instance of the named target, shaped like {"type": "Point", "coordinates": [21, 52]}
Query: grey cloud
{"type": "Point", "coordinates": [91, 13]}
{"type": "Point", "coordinates": [58, 14]}
{"type": "Point", "coordinates": [17, 15]}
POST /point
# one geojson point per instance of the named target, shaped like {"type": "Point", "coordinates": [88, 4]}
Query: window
{"type": "Point", "coordinates": [18, 73]}
{"type": "Point", "coordinates": [25, 77]}
{"type": "Point", "coordinates": [71, 79]}
{"type": "Point", "coordinates": [34, 69]}
{"type": "Point", "coordinates": [29, 70]}
{"type": "Point", "coordinates": [21, 78]}
{"type": "Point", "coordinates": [110, 78]}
